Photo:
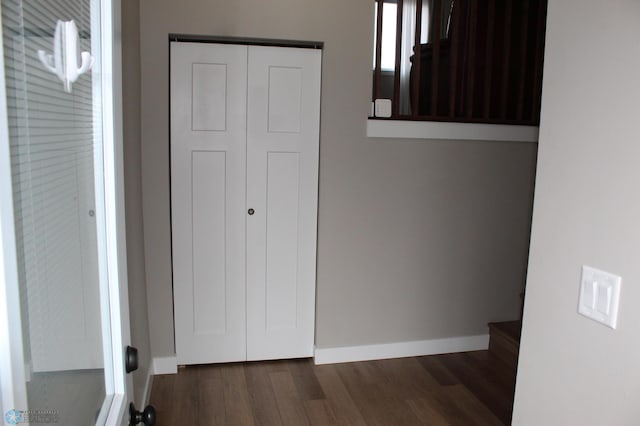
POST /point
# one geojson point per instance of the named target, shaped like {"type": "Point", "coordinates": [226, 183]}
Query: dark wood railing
{"type": "Point", "coordinates": [486, 69]}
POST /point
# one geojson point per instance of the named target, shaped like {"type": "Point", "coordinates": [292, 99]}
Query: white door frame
{"type": "Point", "coordinates": [12, 368]}
{"type": "Point", "coordinates": [111, 239]}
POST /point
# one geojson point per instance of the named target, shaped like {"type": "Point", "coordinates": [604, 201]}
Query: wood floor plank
{"type": "Point", "coordinates": [449, 408]}
{"type": "Point", "coordinates": [236, 395]}
{"type": "Point", "coordinates": [273, 366]}
{"type": "Point", "coordinates": [375, 395]}
{"type": "Point", "coordinates": [362, 390]}
{"type": "Point", "coordinates": [429, 411]}
{"type": "Point", "coordinates": [211, 404]}
{"type": "Point", "coordinates": [161, 393]}
{"type": "Point", "coordinates": [289, 403]}
{"type": "Point", "coordinates": [434, 366]}
{"type": "Point", "coordinates": [473, 411]}
{"type": "Point", "coordinates": [345, 410]}
{"type": "Point", "coordinates": [185, 408]}
{"type": "Point", "coordinates": [320, 413]}
{"type": "Point", "coordinates": [305, 379]}
{"type": "Point", "coordinates": [263, 401]}
{"type": "Point", "coordinates": [492, 395]}
{"type": "Point", "coordinates": [407, 377]}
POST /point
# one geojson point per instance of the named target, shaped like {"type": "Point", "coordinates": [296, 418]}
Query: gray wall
{"type": "Point", "coordinates": [574, 371]}
{"type": "Point", "coordinates": [133, 193]}
{"type": "Point", "coordinates": [417, 239]}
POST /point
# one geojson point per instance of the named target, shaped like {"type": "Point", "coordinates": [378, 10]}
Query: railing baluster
{"type": "Point", "coordinates": [524, 30]}
{"type": "Point", "coordinates": [395, 108]}
{"type": "Point", "coordinates": [417, 62]}
{"type": "Point", "coordinates": [377, 82]}
{"type": "Point", "coordinates": [435, 63]}
{"type": "Point", "coordinates": [537, 77]}
{"type": "Point", "coordinates": [453, 73]}
{"type": "Point", "coordinates": [488, 75]}
{"type": "Point", "coordinates": [472, 58]}
{"type": "Point", "coordinates": [506, 58]}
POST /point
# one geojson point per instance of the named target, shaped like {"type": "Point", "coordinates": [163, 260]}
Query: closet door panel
{"type": "Point", "coordinates": [209, 242]}
{"type": "Point", "coordinates": [208, 180]}
{"type": "Point", "coordinates": [282, 225]}
{"type": "Point", "coordinates": [282, 187]}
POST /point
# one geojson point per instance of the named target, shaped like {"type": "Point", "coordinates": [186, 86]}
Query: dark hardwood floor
{"type": "Point", "coordinates": [472, 388]}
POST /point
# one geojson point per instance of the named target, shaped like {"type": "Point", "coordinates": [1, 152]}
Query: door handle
{"type": "Point", "coordinates": [146, 417]}
{"type": "Point", "coordinates": [251, 212]}
{"type": "Point", "coordinates": [131, 359]}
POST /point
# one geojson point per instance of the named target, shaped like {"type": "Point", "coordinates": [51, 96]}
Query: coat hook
{"type": "Point", "coordinates": [64, 60]}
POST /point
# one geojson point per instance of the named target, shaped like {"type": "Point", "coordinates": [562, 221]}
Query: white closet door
{"type": "Point", "coordinates": [282, 188]}
{"type": "Point", "coordinates": [208, 159]}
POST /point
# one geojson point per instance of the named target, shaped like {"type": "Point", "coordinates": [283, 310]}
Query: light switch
{"type": "Point", "coordinates": [589, 297]}
{"type": "Point", "coordinates": [383, 107]}
{"type": "Point", "coordinates": [599, 296]}
{"type": "Point", "coordinates": [604, 299]}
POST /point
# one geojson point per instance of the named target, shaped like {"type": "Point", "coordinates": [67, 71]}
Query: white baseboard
{"type": "Point", "coordinates": [401, 349]}
{"type": "Point", "coordinates": [165, 365]}
{"type": "Point", "coordinates": [147, 389]}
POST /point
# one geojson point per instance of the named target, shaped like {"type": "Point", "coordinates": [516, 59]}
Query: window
{"type": "Point", "coordinates": [388, 37]}
{"type": "Point", "coordinates": [460, 60]}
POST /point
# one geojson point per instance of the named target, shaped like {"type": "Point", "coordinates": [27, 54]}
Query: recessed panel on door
{"type": "Point", "coordinates": [209, 97]}
{"type": "Point", "coordinates": [281, 287]}
{"type": "Point", "coordinates": [209, 242]}
{"type": "Point", "coordinates": [285, 96]}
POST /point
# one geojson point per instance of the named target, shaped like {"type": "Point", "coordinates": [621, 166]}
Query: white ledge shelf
{"type": "Point", "coordinates": [450, 131]}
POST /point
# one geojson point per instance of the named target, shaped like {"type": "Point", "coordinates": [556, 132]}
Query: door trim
{"type": "Point", "coordinates": [114, 208]}
{"type": "Point", "coordinates": [12, 367]}
{"type": "Point", "coordinates": [246, 41]}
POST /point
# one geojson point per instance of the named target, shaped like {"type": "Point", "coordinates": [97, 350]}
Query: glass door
{"type": "Point", "coordinates": [59, 115]}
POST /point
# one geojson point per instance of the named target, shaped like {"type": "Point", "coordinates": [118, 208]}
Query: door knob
{"type": "Point", "coordinates": [251, 212]}
{"type": "Point", "coordinates": [131, 359]}
{"type": "Point", "coordinates": [146, 417]}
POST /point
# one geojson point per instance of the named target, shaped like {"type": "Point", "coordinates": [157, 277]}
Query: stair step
{"type": "Point", "coordinates": [504, 341]}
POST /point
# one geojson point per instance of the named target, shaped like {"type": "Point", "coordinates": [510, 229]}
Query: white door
{"type": "Point", "coordinates": [282, 188]}
{"type": "Point", "coordinates": [244, 165]}
{"type": "Point", "coordinates": [208, 155]}
{"type": "Point", "coordinates": [63, 292]}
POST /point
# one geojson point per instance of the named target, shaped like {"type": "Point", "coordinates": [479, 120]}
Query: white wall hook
{"type": "Point", "coordinates": [64, 60]}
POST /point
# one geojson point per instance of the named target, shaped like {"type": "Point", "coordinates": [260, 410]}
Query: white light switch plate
{"type": "Point", "coordinates": [599, 296]}
{"type": "Point", "coordinates": [383, 107]}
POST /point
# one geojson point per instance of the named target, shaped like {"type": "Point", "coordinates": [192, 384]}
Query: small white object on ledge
{"type": "Point", "coordinates": [383, 107]}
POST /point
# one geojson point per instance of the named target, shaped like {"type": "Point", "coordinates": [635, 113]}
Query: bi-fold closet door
{"type": "Point", "coordinates": [244, 187]}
